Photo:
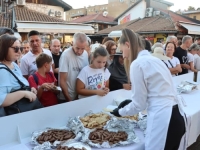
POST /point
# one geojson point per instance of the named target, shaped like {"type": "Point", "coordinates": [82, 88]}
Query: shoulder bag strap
{"type": "Point", "coordinates": [8, 69]}
{"type": "Point", "coordinates": [165, 63]}
{"type": "Point", "coordinates": [51, 75]}
{"type": "Point", "coordinates": [170, 63]}
{"type": "Point", "coordinates": [35, 77]}
{"type": "Point", "coordinates": [172, 67]}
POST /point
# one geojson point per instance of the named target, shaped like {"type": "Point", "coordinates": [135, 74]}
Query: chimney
{"type": "Point", "coordinates": [148, 2]}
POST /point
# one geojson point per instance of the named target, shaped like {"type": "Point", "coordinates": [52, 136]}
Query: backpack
{"type": "Point", "coordinates": [35, 77]}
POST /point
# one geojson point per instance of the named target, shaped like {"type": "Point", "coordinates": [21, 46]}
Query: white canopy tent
{"type": "Point", "coordinates": [192, 28]}
{"type": "Point", "coordinates": [117, 33]}
{"type": "Point", "coordinates": [54, 27]}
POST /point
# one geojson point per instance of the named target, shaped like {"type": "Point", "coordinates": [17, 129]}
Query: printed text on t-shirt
{"type": "Point", "coordinates": [95, 81]}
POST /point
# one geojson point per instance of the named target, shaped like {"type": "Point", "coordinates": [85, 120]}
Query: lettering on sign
{"type": "Point", "coordinates": [126, 19]}
{"type": "Point", "coordinates": [45, 9]}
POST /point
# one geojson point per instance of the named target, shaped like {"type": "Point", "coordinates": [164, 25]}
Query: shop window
{"type": "Point", "coordinates": [68, 38]}
{"type": "Point", "coordinates": [103, 26]}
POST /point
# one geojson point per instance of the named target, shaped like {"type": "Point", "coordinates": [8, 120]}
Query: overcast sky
{"type": "Point", "coordinates": [178, 4]}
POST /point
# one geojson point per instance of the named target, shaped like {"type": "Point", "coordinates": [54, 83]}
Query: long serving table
{"type": "Point", "coordinates": [16, 129]}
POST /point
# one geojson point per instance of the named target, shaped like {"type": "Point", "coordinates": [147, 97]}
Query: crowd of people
{"type": "Point", "coordinates": [78, 70]}
{"type": "Point", "coordinates": [183, 57]}
{"type": "Point", "coordinates": [84, 70]}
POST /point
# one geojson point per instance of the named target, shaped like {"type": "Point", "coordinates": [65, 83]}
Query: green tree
{"type": "Point", "coordinates": [190, 8]}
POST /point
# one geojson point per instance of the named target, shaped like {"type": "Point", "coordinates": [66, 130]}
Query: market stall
{"type": "Point", "coordinates": [16, 130]}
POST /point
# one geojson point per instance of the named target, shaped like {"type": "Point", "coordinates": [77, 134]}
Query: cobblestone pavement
{"type": "Point", "coordinates": [196, 145]}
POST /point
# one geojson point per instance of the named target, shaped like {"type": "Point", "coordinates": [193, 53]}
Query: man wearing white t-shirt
{"type": "Point", "coordinates": [71, 62]}
{"type": "Point", "coordinates": [28, 61]}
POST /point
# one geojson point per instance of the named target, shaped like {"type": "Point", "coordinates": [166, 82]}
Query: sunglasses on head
{"type": "Point", "coordinates": [16, 49]}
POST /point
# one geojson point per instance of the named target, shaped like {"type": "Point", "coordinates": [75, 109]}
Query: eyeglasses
{"type": "Point", "coordinates": [16, 49]}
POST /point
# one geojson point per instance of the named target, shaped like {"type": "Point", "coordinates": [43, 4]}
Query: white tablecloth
{"type": "Point", "coordinates": [32, 121]}
{"type": "Point", "coordinates": [192, 111]}
{"type": "Point", "coordinates": [138, 146]}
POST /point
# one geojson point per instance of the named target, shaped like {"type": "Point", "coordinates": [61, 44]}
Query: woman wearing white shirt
{"type": "Point", "coordinates": [173, 64]}
{"type": "Point", "coordinates": [152, 88]}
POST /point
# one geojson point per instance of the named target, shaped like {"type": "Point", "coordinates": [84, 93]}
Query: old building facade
{"type": "Point", "coordinates": [192, 14]}
{"type": "Point", "coordinates": [45, 16]}
{"type": "Point", "coordinates": [113, 8]}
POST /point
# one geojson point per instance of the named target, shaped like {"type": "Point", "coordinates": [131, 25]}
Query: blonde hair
{"type": "Point", "coordinates": [135, 46]}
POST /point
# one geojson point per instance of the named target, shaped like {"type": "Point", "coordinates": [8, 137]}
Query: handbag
{"type": "Point", "coordinates": [23, 104]}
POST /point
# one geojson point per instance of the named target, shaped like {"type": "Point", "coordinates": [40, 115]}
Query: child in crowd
{"type": "Point", "coordinates": [44, 81]}
{"type": "Point", "coordinates": [94, 79]}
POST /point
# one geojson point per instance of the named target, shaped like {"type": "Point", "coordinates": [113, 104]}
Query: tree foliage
{"type": "Point", "coordinates": [190, 8]}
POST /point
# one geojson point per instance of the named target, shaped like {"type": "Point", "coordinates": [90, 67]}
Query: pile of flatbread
{"type": "Point", "coordinates": [95, 120]}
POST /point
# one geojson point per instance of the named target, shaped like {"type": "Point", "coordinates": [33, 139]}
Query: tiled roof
{"type": "Point", "coordinates": [117, 27]}
{"type": "Point", "coordinates": [185, 17]}
{"type": "Point", "coordinates": [175, 17]}
{"type": "Point", "coordinates": [146, 25]}
{"type": "Point", "coordinates": [178, 17]}
{"type": "Point", "coordinates": [95, 18]}
{"type": "Point", "coordinates": [6, 22]}
{"type": "Point", "coordinates": [26, 14]}
{"type": "Point", "coordinates": [153, 24]}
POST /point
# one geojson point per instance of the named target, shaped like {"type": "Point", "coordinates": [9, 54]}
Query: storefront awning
{"type": "Point", "coordinates": [192, 28]}
{"type": "Point", "coordinates": [115, 34]}
{"type": "Point", "coordinates": [54, 27]}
